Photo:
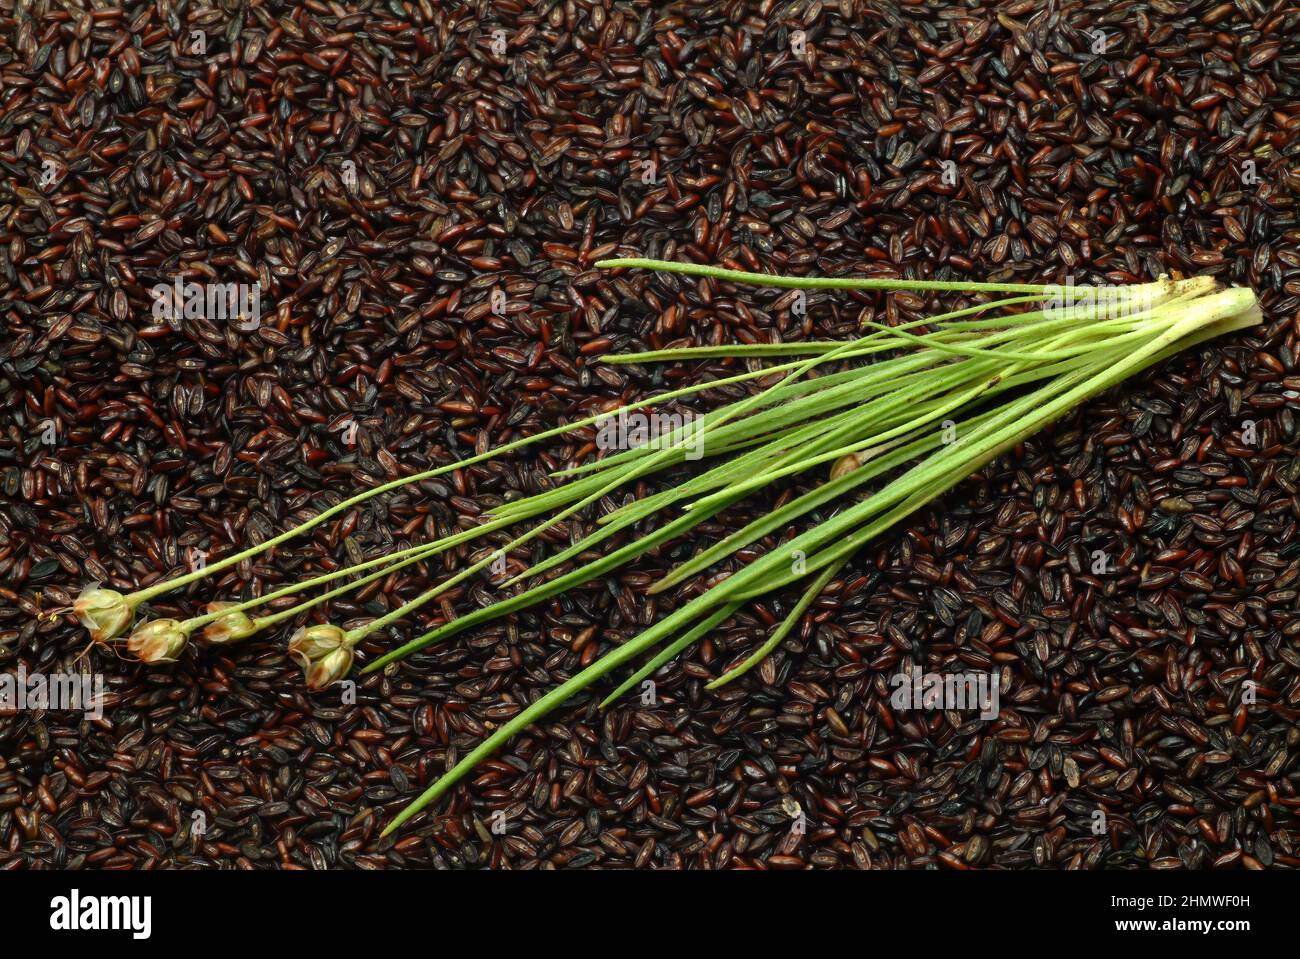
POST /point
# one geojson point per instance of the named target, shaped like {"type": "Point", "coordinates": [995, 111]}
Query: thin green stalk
{"type": "Point", "coordinates": [791, 620]}
{"type": "Point", "coordinates": [871, 439]}
{"type": "Point", "coordinates": [271, 619]}
{"type": "Point", "coordinates": [541, 592]}
{"type": "Point", "coordinates": [630, 650]}
{"type": "Point", "coordinates": [801, 348]}
{"type": "Point", "coordinates": [638, 510]}
{"type": "Point", "coordinates": [421, 551]}
{"type": "Point", "coordinates": [937, 474]}
{"type": "Point", "coordinates": [692, 636]}
{"type": "Point", "coordinates": [198, 622]}
{"type": "Point", "coordinates": [649, 464]}
{"type": "Point", "coordinates": [785, 514]}
{"type": "Point", "coordinates": [1031, 406]}
{"type": "Point", "coordinates": [957, 461]}
{"type": "Point", "coordinates": [816, 282]}
{"type": "Point", "coordinates": [164, 586]}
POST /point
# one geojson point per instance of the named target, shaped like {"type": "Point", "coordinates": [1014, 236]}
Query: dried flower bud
{"type": "Point", "coordinates": [158, 641]}
{"type": "Point", "coordinates": [330, 668]}
{"type": "Point", "coordinates": [323, 652]}
{"type": "Point", "coordinates": [228, 627]}
{"type": "Point", "coordinates": [310, 643]}
{"type": "Point", "coordinates": [848, 463]}
{"type": "Point", "coordinates": [844, 466]}
{"type": "Point", "coordinates": [105, 613]}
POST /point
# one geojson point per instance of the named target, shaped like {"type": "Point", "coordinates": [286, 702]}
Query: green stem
{"type": "Point", "coordinates": [165, 586]}
{"type": "Point", "coordinates": [543, 705]}
{"type": "Point", "coordinates": [197, 622]}
{"type": "Point", "coordinates": [958, 460]}
{"type": "Point", "coordinates": [791, 620]}
{"type": "Point", "coordinates": [938, 473]}
{"type": "Point", "coordinates": [816, 282]}
{"type": "Point", "coordinates": [649, 464]}
{"type": "Point", "coordinates": [692, 636]}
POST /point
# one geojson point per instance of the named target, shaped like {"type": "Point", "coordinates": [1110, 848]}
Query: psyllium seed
{"type": "Point", "coordinates": [1130, 575]}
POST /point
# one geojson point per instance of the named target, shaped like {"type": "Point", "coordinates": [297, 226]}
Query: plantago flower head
{"type": "Point", "coordinates": [158, 641]}
{"type": "Point", "coordinates": [311, 643]}
{"type": "Point", "coordinates": [228, 627]}
{"type": "Point", "coordinates": [105, 613]}
{"type": "Point", "coordinates": [323, 652]}
{"type": "Point", "coordinates": [330, 668]}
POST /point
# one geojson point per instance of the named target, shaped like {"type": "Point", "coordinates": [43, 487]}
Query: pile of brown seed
{"type": "Point", "coordinates": [380, 168]}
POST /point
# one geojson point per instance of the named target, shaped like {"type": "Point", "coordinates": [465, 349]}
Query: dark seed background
{"type": "Point", "coordinates": [478, 169]}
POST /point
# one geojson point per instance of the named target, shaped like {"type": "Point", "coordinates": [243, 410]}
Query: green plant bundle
{"type": "Point", "coordinates": [875, 427]}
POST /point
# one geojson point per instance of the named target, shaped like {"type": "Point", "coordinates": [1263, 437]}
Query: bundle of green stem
{"type": "Point", "coordinates": [883, 423]}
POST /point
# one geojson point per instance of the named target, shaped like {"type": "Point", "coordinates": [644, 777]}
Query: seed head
{"type": "Point", "coordinates": [229, 627]}
{"type": "Point", "coordinates": [105, 613]}
{"type": "Point", "coordinates": [330, 668]}
{"type": "Point", "coordinates": [158, 641]}
{"type": "Point", "coordinates": [323, 652]}
{"type": "Point", "coordinates": [311, 643]}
